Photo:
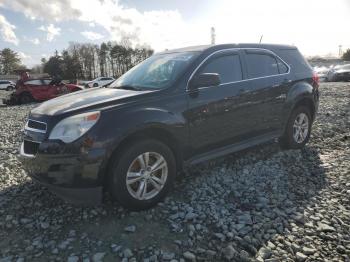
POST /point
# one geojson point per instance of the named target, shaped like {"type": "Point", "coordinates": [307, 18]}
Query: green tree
{"type": "Point", "coordinates": [346, 55]}
{"type": "Point", "coordinates": [9, 61]}
{"type": "Point", "coordinates": [54, 66]}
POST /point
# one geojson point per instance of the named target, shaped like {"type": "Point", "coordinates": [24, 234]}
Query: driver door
{"type": "Point", "coordinates": [217, 115]}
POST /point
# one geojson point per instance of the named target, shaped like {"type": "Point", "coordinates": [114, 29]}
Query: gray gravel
{"type": "Point", "coordinates": [262, 204]}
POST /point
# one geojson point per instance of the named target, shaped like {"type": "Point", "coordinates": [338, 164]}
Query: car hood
{"type": "Point", "coordinates": [342, 70]}
{"type": "Point", "coordinates": [86, 100]}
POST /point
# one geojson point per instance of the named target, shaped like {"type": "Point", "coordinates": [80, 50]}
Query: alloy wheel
{"type": "Point", "coordinates": [146, 176]}
{"type": "Point", "coordinates": [300, 128]}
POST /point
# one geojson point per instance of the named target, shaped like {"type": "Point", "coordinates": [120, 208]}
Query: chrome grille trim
{"type": "Point", "coordinates": [34, 129]}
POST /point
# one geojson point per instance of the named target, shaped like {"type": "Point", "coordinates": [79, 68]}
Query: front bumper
{"type": "Point", "coordinates": [12, 99]}
{"type": "Point", "coordinates": [74, 177]}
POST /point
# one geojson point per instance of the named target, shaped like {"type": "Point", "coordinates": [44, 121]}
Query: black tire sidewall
{"type": "Point", "coordinates": [26, 98]}
{"type": "Point", "coordinates": [95, 85]}
{"type": "Point", "coordinates": [117, 185]}
{"type": "Point", "coordinates": [291, 143]}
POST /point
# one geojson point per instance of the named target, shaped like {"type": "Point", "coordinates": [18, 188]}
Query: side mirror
{"type": "Point", "coordinates": [204, 80]}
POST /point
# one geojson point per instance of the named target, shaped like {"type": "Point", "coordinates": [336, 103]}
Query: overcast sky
{"type": "Point", "coordinates": [37, 28]}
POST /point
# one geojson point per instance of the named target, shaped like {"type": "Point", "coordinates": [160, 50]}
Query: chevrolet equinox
{"type": "Point", "coordinates": [176, 108]}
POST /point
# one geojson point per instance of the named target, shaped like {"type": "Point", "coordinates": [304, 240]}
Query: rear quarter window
{"type": "Point", "coordinates": [260, 65]}
{"type": "Point", "coordinates": [295, 60]}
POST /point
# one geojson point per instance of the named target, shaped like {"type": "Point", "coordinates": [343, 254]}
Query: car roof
{"type": "Point", "coordinates": [203, 48]}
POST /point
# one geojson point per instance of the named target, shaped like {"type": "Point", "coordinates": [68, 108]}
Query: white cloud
{"type": "Point", "coordinates": [7, 31]}
{"type": "Point", "coordinates": [23, 55]}
{"type": "Point", "coordinates": [234, 21]}
{"type": "Point", "coordinates": [34, 41]}
{"type": "Point", "coordinates": [160, 29]}
{"type": "Point", "coordinates": [49, 10]}
{"type": "Point", "coordinates": [92, 35]}
{"type": "Point", "coordinates": [51, 31]}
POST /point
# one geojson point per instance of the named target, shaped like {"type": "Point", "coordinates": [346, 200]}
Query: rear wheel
{"type": "Point", "coordinates": [298, 129]}
{"type": "Point", "coordinates": [9, 88]}
{"type": "Point", "coordinates": [26, 98]}
{"type": "Point", "coordinates": [142, 174]}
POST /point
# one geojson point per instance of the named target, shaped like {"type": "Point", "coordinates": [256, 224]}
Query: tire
{"type": "Point", "coordinates": [26, 98]}
{"type": "Point", "coordinates": [292, 138]}
{"type": "Point", "coordinates": [95, 85]}
{"type": "Point", "coordinates": [9, 88]}
{"type": "Point", "coordinates": [141, 193]}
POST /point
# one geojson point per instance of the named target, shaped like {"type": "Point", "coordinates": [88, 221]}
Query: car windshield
{"type": "Point", "coordinates": [157, 72]}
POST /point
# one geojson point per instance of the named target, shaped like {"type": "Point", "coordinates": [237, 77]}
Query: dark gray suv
{"type": "Point", "coordinates": [176, 108]}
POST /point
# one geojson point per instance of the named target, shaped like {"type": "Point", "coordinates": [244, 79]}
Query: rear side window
{"type": "Point", "coordinates": [260, 65]}
{"type": "Point", "coordinates": [47, 81]}
{"type": "Point", "coordinates": [227, 66]}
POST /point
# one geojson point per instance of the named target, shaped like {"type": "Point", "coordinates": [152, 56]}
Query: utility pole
{"type": "Point", "coordinates": [213, 35]}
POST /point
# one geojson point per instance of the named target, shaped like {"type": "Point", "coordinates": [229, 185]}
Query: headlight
{"type": "Point", "coordinates": [71, 128]}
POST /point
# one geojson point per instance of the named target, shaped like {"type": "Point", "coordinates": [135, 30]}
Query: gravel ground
{"type": "Point", "coordinates": [262, 204]}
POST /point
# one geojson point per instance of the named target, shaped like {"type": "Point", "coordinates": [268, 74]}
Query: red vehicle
{"type": "Point", "coordinates": [30, 90]}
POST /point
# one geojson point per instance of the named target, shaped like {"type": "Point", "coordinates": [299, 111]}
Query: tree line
{"type": "Point", "coordinates": [88, 61]}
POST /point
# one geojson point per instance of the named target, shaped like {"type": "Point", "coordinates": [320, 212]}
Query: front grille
{"type": "Point", "coordinates": [39, 126]}
{"type": "Point", "coordinates": [30, 148]}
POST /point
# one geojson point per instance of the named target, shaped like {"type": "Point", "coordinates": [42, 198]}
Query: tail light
{"type": "Point", "coordinates": [315, 79]}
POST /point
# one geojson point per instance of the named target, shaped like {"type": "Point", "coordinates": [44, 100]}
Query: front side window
{"type": "Point", "coordinates": [36, 82]}
{"type": "Point", "coordinates": [260, 65]}
{"type": "Point", "coordinates": [156, 72]}
{"type": "Point", "coordinates": [227, 66]}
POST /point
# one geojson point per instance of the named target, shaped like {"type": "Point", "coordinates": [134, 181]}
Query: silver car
{"type": "Point", "coordinates": [7, 85]}
{"type": "Point", "coordinates": [339, 73]}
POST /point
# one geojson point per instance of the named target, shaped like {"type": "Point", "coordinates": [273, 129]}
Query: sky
{"type": "Point", "coordinates": [35, 29]}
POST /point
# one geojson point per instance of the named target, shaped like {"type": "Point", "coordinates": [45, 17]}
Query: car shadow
{"type": "Point", "coordinates": [261, 194]}
{"type": "Point", "coordinates": [244, 200]}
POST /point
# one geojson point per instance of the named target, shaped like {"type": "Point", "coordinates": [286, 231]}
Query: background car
{"type": "Point", "coordinates": [39, 90]}
{"type": "Point", "coordinates": [322, 72]}
{"type": "Point", "coordinates": [339, 73]}
{"type": "Point", "coordinates": [7, 85]}
{"type": "Point", "coordinates": [100, 81]}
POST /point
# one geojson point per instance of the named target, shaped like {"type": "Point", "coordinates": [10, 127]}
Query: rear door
{"type": "Point", "coordinates": [268, 80]}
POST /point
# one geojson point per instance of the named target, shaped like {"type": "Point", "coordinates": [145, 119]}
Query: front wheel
{"type": "Point", "coordinates": [298, 129]}
{"type": "Point", "coordinates": [26, 98]}
{"type": "Point", "coordinates": [142, 174]}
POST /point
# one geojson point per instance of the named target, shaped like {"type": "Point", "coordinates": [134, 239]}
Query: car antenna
{"type": "Point", "coordinates": [261, 37]}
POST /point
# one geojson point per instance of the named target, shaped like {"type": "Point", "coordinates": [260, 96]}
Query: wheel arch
{"type": "Point", "coordinates": [159, 133]}
{"type": "Point", "coordinates": [301, 94]}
